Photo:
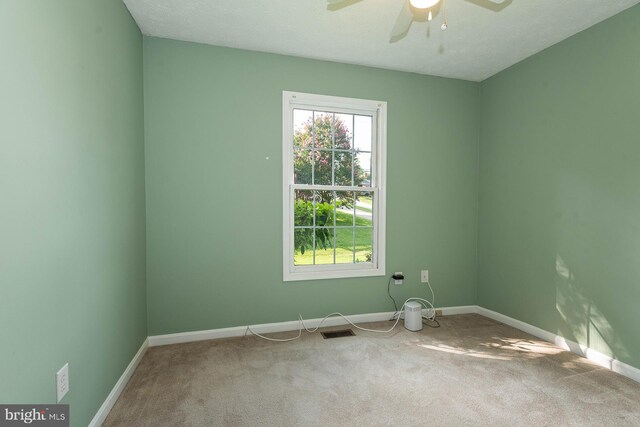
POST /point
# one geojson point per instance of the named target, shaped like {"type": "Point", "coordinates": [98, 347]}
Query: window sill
{"type": "Point", "coordinates": [301, 275]}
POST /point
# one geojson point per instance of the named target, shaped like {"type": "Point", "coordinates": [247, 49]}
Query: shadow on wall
{"type": "Point", "coordinates": [597, 236]}
{"type": "Point", "coordinates": [584, 321]}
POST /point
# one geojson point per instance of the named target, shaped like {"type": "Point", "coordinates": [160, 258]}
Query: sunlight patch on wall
{"type": "Point", "coordinates": [588, 325]}
{"type": "Point", "coordinates": [570, 303]}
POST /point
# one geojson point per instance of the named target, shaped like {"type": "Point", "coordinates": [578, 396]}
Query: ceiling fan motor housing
{"type": "Point", "coordinates": [423, 4]}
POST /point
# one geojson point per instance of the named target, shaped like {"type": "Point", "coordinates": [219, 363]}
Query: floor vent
{"type": "Point", "coordinates": [338, 334]}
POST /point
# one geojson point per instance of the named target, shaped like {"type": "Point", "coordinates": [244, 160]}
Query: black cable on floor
{"type": "Point", "coordinates": [437, 324]}
{"type": "Point", "coordinates": [394, 301]}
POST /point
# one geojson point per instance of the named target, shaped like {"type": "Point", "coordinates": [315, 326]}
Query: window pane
{"type": "Point", "coordinates": [344, 246]}
{"type": "Point", "coordinates": [322, 168]}
{"type": "Point", "coordinates": [303, 241]}
{"type": "Point", "coordinates": [362, 170]}
{"type": "Point", "coordinates": [362, 133]}
{"type": "Point", "coordinates": [344, 204]}
{"type": "Point", "coordinates": [302, 125]}
{"type": "Point", "coordinates": [303, 208]}
{"type": "Point", "coordinates": [343, 162]}
{"type": "Point", "coordinates": [325, 210]}
{"type": "Point", "coordinates": [323, 130]}
{"type": "Point", "coordinates": [302, 166]}
{"type": "Point", "coordinates": [324, 246]}
{"type": "Point", "coordinates": [364, 209]}
{"type": "Point", "coordinates": [364, 244]}
{"type": "Point", "coordinates": [343, 131]}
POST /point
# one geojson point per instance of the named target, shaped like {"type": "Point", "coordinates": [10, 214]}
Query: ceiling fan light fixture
{"type": "Point", "coordinates": [423, 4]}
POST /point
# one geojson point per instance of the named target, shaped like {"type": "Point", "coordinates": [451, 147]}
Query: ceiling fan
{"type": "Point", "coordinates": [420, 11]}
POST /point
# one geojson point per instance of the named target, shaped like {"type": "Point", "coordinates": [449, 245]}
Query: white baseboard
{"type": "Point", "coordinates": [265, 328]}
{"type": "Point", "coordinates": [183, 337]}
{"type": "Point", "coordinates": [294, 325]}
{"type": "Point", "coordinates": [102, 413]}
{"type": "Point", "coordinates": [461, 309]}
{"type": "Point", "coordinates": [579, 349]}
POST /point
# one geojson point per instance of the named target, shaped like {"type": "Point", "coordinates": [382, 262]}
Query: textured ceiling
{"type": "Point", "coordinates": [478, 43]}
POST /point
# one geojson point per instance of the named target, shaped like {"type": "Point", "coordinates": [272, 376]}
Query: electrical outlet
{"type": "Point", "coordinates": [424, 276]}
{"type": "Point", "coordinates": [438, 313]}
{"type": "Point", "coordinates": [62, 381]}
{"type": "Point", "coordinates": [398, 282]}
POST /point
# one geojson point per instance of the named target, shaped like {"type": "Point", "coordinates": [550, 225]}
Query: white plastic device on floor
{"type": "Point", "coordinates": [413, 316]}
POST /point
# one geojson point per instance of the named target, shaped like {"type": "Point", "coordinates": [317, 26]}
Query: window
{"type": "Point", "coordinates": [334, 152]}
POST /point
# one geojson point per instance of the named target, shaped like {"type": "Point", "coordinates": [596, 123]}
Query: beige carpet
{"type": "Point", "coordinates": [471, 371]}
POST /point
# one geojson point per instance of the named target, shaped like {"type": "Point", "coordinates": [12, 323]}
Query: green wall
{"type": "Point", "coordinates": [214, 212]}
{"type": "Point", "coordinates": [549, 234]}
{"type": "Point", "coordinates": [559, 233]}
{"type": "Point", "coordinates": [72, 213]}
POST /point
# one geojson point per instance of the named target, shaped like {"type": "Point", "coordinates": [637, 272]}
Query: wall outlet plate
{"type": "Point", "coordinates": [62, 381]}
{"type": "Point", "coordinates": [424, 276]}
{"type": "Point", "coordinates": [438, 313]}
{"type": "Point", "coordinates": [398, 282]}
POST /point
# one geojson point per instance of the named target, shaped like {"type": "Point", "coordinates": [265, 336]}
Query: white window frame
{"type": "Point", "coordinates": [376, 109]}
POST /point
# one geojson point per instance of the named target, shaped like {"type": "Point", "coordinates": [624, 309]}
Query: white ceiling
{"type": "Point", "coordinates": [477, 44]}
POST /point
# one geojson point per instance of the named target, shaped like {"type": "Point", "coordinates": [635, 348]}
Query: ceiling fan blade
{"type": "Point", "coordinates": [403, 23]}
{"type": "Point", "coordinates": [491, 5]}
{"type": "Point", "coordinates": [339, 4]}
